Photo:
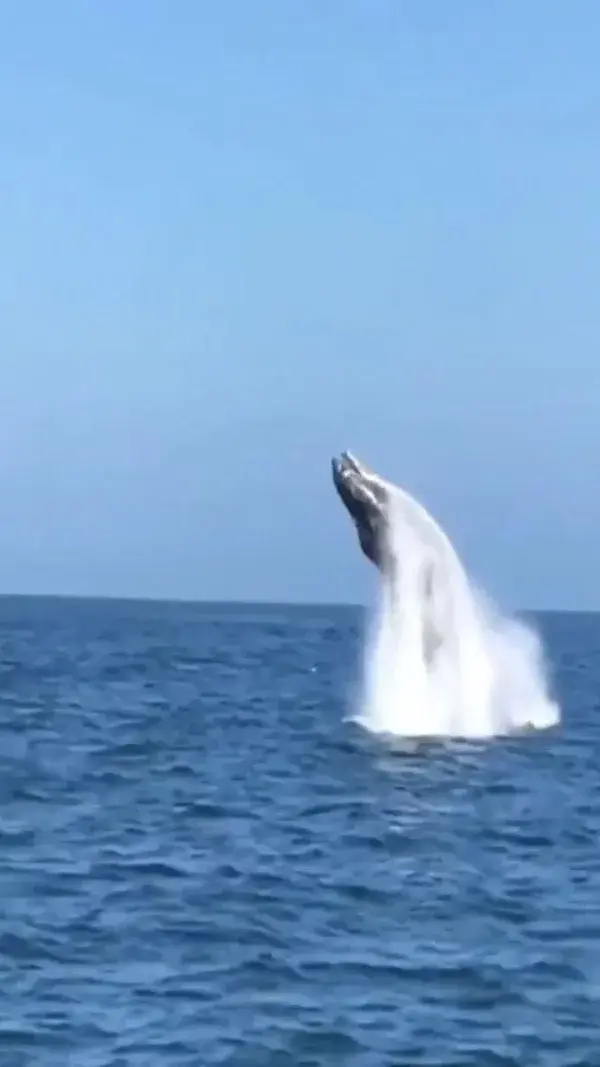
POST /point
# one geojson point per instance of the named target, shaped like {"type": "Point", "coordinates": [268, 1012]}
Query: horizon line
{"type": "Point", "coordinates": [234, 602]}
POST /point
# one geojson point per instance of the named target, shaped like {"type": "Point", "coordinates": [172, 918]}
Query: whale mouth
{"type": "Point", "coordinates": [366, 497]}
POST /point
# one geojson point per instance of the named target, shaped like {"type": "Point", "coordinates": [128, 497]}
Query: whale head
{"type": "Point", "coordinates": [366, 496]}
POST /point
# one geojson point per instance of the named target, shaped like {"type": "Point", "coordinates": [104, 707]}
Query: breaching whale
{"type": "Point", "coordinates": [444, 660]}
{"type": "Point", "coordinates": [377, 508]}
{"type": "Point", "coordinates": [373, 503]}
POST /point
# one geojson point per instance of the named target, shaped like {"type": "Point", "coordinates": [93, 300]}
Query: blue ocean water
{"type": "Point", "coordinates": [202, 862]}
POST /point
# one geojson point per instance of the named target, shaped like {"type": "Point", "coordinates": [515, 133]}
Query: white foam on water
{"type": "Point", "coordinates": [441, 660]}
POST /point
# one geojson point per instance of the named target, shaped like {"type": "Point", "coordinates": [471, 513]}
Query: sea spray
{"type": "Point", "coordinates": [441, 660]}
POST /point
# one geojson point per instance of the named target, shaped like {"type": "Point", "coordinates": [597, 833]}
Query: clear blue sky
{"type": "Point", "coordinates": [238, 237]}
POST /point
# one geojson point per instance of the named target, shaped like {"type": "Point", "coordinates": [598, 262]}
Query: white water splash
{"type": "Point", "coordinates": [442, 661]}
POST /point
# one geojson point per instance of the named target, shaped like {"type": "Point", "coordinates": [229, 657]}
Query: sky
{"type": "Point", "coordinates": [237, 238]}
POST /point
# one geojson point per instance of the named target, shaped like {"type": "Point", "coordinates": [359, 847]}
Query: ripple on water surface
{"type": "Point", "coordinates": [202, 862]}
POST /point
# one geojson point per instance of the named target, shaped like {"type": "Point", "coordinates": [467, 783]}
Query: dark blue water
{"type": "Point", "coordinates": [202, 863]}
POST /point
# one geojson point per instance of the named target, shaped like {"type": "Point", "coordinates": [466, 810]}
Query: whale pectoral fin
{"type": "Point", "coordinates": [431, 607]}
{"type": "Point", "coordinates": [428, 580]}
{"type": "Point", "coordinates": [432, 642]}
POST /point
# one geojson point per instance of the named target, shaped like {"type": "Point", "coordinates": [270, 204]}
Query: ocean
{"type": "Point", "coordinates": [202, 861]}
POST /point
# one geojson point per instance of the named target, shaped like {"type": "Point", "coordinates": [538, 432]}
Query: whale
{"type": "Point", "coordinates": [379, 508]}
{"type": "Point", "coordinates": [374, 503]}
{"type": "Point", "coordinates": [444, 660]}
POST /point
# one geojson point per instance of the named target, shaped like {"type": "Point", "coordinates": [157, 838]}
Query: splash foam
{"type": "Point", "coordinates": [441, 660]}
